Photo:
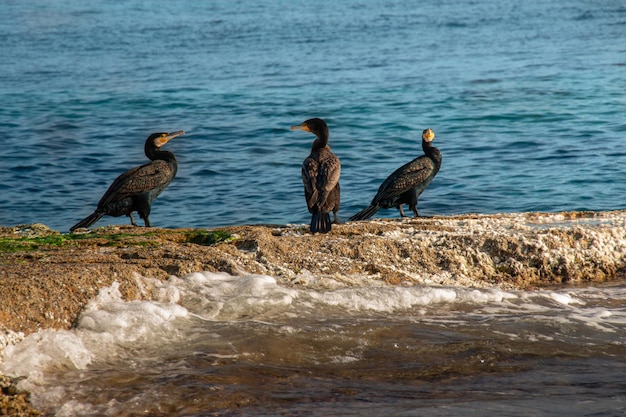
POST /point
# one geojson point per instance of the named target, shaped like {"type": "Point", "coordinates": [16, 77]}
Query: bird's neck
{"type": "Point", "coordinates": [154, 154]}
{"type": "Point", "coordinates": [430, 151]}
{"type": "Point", "coordinates": [321, 142]}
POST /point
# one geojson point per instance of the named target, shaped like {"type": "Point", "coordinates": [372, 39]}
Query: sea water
{"type": "Point", "coordinates": [526, 99]}
{"type": "Point", "coordinates": [215, 344]}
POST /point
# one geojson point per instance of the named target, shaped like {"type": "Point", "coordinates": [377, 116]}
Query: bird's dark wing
{"type": "Point", "coordinates": [404, 178]}
{"type": "Point", "coordinates": [330, 172]}
{"type": "Point", "coordinates": [327, 179]}
{"type": "Point", "coordinates": [320, 175]}
{"type": "Point", "coordinates": [138, 180]}
{"type": "Point", "coordinates": [310, 168]}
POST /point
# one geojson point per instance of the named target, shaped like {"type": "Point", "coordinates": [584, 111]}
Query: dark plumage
{"type": "Point", "coordinates": [406, 183]}
{"type": "Point", "coordinates": [320, 176]}
{"type": "Point", "coordinates": [136, 189]}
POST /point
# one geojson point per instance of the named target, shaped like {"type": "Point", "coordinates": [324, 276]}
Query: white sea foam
{"type": "Point", "coordinates": [123, 321]}
{"type": "Point", "coordinates": [107, 324]}
{"type": "Point", "coordinates": [61, 349]}
{"type": "Point", "coordinates": [390, 299]}
{"type": "Point", "coordinates": [221, 296]}
{"type": "Point", "coordinates": [564, 298]}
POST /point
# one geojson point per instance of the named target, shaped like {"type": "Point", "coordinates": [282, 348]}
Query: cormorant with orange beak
{"type": "Point", "coordinates": [320, 176]}
{"type": "Point", "coordinates": [406, 183]}
{"type": "Point", "coordinates": [136, 189]}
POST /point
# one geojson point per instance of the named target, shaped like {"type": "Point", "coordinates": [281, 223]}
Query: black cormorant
{"type": "Point", "coordinates": [406, 183]}
{"type": "Point", "coordinates": [136, 188]}
{"type": "Point", "coordinates": [320, 176]}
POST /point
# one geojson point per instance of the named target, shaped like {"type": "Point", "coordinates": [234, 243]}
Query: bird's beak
{"type": "Point", "coordinates": [300, 127]}
{"type": "Point", "coordinates": [428, 135]}
{"type": "Point", "coordinates": [169, 136]}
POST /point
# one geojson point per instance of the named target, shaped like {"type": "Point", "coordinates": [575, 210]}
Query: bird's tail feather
{"type": "Point", "coordinates": [366, 213]}
{"type": "Point", "coordinates": [88, 221]}
{"type": "Point", "coordinates": [320, 223]}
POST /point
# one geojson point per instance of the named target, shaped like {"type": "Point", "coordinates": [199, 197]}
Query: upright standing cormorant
{"type": "Point", "coordinates": [136, 188]}
{"type": "Point", "coordinates": [406, 183]}
{"type": "Point", "coordinates": [320, 176]}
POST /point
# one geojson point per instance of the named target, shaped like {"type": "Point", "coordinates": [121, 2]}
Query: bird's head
{"type": "Point", "coordinates": [316, 126]}
{"type": "Point", "coordinates": [161, 138]}
{"type": "Point", "coordinates": [428, 135]}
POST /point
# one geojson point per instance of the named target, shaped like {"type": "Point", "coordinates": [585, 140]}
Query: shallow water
{"type": "Point", "coordinates": [249, 346]}
{"type": "Point", "coordinates": [527, 101]}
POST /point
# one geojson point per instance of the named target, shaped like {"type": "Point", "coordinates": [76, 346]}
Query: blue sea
{"type": "Point", "coordinates": [527, 100]}
{"type": "Point", "coordinates": [528, 103]}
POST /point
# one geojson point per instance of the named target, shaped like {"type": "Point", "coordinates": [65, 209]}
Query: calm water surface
{"type": "Point", "coordinates": [527, 100]}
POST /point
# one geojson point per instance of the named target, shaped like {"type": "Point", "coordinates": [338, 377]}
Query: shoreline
{"type": "Point", "coordinates": [46, 278]}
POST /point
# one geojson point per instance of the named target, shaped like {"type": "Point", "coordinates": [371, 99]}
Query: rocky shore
{"type": "Point", "coordinates": [46, 277]}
